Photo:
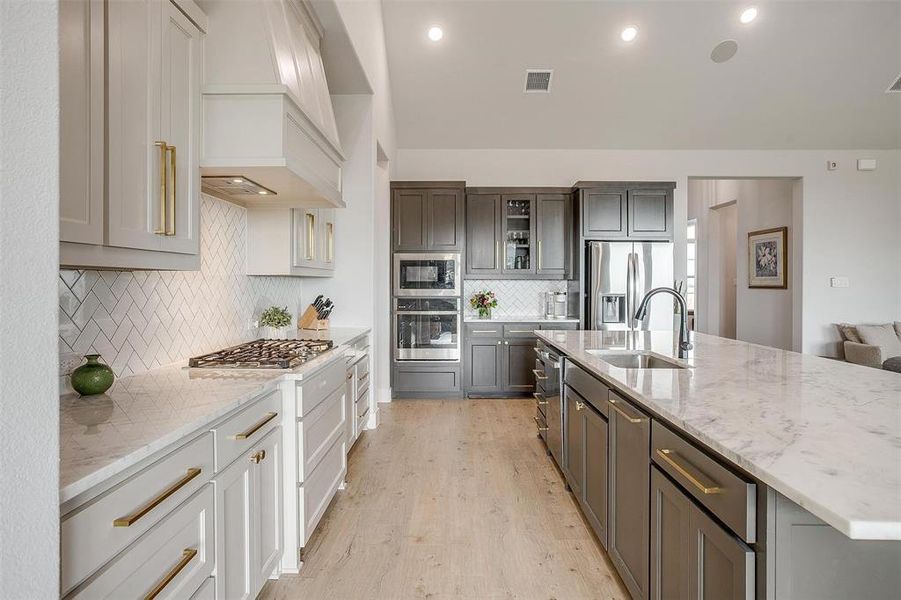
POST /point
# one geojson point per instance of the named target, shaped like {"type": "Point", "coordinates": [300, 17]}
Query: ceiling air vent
{"type": "Point", "coordinates": [895, 87]}
{"type": "Point", "coordinates": [538, 80]}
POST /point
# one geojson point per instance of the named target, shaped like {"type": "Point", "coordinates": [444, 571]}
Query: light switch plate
{"type": "Point", "coordinates": [839, 282]}
{"type": "Point", "coordinates": [866, 164]}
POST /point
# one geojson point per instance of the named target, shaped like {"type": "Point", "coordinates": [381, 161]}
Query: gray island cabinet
{"type": "Point", "coordinates": [677, 518]}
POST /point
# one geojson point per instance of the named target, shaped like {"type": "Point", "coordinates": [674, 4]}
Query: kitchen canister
{"type": "Point", "coordinates": [93, 377]}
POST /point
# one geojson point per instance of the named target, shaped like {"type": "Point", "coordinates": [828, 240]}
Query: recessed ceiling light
{"type": "Point", "coordinates": [629, 34]}
{"type": "Point", "coordinates": [748, 15]}
{"type": "Point", "coordinates": [435, 34]}
{"type": "Point", "coordinates": [237, 180]}
{"type": "Point", "coordinates": [262, 192]}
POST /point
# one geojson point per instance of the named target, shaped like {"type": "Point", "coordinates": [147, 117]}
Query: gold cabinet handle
{"type": "Point", "coordinates": [259, 425]}
{"type": "Point", "coordinates": [257, 457]}
{"type": "Point", "coordinates": [129, 520]}
{"type": "Point", "coordinates": [186, 556]}
{"type": "Point", "coordinates": [164, 179]}
{"type": "Point", "coordinates": [522, 331]}
{"type": "Point", "coordinates": [329, 242]}
{"type": "Point", "coordinates": [497, 253]}
{"type": "Point", "coordinates": [364, 376]}
{"type": "Point", "coordinates": [539, 398]}
{"type": "Point", "coordinates": [539, 375]}
{"type": "Point", "coordinates": [625, 415]}
{"type": "Point", "coordinates": [170, 212]}
{"type": "Point", "coordinates": [669, 457]}
{"type": "Point", "coordinates": [539, 255]}
{"type": "Point", "coordinates": [538, 424]}
{"type": "Point", "coordinates": [484, 330]}
{"type": "Point", "coordinates": [580, 405]}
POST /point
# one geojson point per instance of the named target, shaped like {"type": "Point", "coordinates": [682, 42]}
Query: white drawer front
{"type": "Point", "coordinates": [363, 402]}
{"type": "Point", "coordinates": [207, 590]}
{"type": "Point", "coordinates": [320, 487]}
{"type": "Point", "coordinates": [239, 433]}
{"type": "Point", "coordinates": [363, 370]}
{"type": "Point", "coordinates": [89, 536]}
{"type": "Point", "coordinates": [174, 558]}
{"type": "Point", "coordinates": [318, 430]}
{"type": "Point", "coordinates": [319, 386]}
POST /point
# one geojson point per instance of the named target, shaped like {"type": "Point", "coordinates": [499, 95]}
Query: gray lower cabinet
{"type": "Point", "coordinates": [423, 379]}
{"type": "Point", "coordinates": [519, 362]}
{"type": "Point", "coordinates": [631, 210]}
{"type": "Point", "coordinates": [693, 556]}
{"type": "Point", "coordinates": [594, 492]}
{"type": "Point", "coordinates": [629, 510]}
{"type": "Point", "coordinates": [484, 365]}
{"type": "Point", "coordinates": [574, 441]}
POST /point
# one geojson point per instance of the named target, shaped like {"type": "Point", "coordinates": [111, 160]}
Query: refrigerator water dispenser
{"type": "Point", "coordinates": [613, 308]}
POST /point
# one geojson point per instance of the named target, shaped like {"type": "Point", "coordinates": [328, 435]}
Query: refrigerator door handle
{"type": "Point", "coordinates": [593, 303]}
{"type": "Point", "coordinates": [630, 290]}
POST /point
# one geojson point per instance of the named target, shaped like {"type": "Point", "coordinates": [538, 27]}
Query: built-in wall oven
{"type": "Point", "coordinates": [427, 329]}
{"type": "Point", "coordinates": [427, 275]}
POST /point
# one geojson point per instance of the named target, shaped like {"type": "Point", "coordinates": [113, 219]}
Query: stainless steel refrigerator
{"type": "Point", "coordinates": [617, 277]}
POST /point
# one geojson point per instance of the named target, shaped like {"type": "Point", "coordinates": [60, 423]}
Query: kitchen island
{"type": "Point", "coordinates": [813, 447]}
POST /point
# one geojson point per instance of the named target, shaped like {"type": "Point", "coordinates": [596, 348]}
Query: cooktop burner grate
{"type": "Point", "coordinates": [263, 354]}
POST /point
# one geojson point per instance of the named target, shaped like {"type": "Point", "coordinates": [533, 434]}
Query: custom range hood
{"type": "Point", "coordinates": [269, 134]}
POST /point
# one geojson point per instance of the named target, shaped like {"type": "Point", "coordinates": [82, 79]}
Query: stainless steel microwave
{"type": "Point", "coordinates": [427, 275]}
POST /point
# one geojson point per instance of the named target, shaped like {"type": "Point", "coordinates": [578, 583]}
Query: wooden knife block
{"type": "Point", "coordinates": [309, 320]}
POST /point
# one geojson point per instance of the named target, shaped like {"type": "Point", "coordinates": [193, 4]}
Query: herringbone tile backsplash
{"type": "Point", "coordinates": [514, 297]}
{"type": "Point", "coordinates": [138, 320]}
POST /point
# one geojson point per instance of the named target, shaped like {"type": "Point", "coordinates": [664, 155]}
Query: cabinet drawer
{"type": "Point", "coordinates": [541, 402]}
{"type": "Point", "coordinates": [89, 536]}
{"type": "Point", "coordinates": [237, 434]}
{"type": "Point", "coordinates": [363, 402]}
{"type": "Point", "coordinates": [362, 371]}
{"type": "Point", "coordinates": [588, 387]}
{"type": "Point", "coordinates": [540, 425]}
{"type": "Point", "coordinates": [318, 430]}
{"type": "Point", "coordinates": [520, 330]}
{"type": "Point", "coordinates": [439, 380]}
{"type": "Point", "coordinates": [173, 558]}
{"type": "Point", "coordinates": [319, 488]}
{"type": "Point", "coordinates": [483, 330]}
{"type": "Point", "coordinates": [728, 496]}
{"type": "Point", "coordinates": [319, 386]}
{"type": "Point", "coordinates": [207, 590]}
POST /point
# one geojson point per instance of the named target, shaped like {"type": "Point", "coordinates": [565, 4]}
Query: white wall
{"type": "Point", "coordinates": [850, 218]}
{"type": "Point", "coordinates": [29, 264]}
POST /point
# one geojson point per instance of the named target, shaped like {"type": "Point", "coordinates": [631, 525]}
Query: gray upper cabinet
{"type": "Point", "coordinates": [518, 233]}
{"type": "Point", "coordinates": [427, 216]}
{"type": "Point", "coordinates": [483, 231]}
{"type": "Point", "coordinates": [554, 219]}
{"type": "Point", "coordinates": [629, 507]}
{"type": "Point", "coordinates": [632, 210]}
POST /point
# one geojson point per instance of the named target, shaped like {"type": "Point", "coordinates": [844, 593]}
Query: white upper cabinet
{"type": "Point", "coordinates": [268, 116]}
{"type": "Point", "coordinates": [139, 207]}
{"type": "Point", "coordinates": [291, 241]}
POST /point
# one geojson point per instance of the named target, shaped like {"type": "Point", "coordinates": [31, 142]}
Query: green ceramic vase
{"type": "Point", "coordinates": [93, 377]}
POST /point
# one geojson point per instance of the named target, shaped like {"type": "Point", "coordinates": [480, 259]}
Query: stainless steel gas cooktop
{"type": "Point", "coordinates": [263, 354]}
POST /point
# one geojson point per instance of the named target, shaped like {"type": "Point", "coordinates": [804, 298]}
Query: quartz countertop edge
{"type": "Point", "coordinates": [104, 436]}
{"type": "Point", "coordinates": [824, 434]}
{"type": "Point", "coordinates": [471, 318]}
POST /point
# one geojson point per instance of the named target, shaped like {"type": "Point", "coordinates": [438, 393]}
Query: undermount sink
{"type": "Point", "coordinates": [636, 359]}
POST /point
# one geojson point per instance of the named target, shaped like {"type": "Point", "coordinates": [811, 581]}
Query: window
{"type": "Point", "coordinates": [691, 278]}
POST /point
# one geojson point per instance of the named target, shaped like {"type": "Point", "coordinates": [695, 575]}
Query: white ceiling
{"type": "Point", "coordinates": [808, 75]}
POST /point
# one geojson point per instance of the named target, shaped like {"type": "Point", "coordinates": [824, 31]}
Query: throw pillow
{"type": "Point", "coordinates": [848, 332]}
{"type": "Point", "coordinates": [883, 336]}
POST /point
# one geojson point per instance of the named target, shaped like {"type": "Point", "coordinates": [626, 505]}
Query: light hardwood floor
{"type": "Point", "coordinates": [452, 499]}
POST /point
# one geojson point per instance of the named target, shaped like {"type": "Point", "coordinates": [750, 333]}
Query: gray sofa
{"type": "Point", "coordinates": [871, 345]}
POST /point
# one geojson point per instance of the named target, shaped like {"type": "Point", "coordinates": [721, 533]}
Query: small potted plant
{"type": "Point", "coordinates": [483, 302]}
{"type": "Point", "coordinates": [275, 319]}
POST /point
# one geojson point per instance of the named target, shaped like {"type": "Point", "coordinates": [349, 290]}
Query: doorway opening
{"type": "Point", "coordinates": [724, 218]}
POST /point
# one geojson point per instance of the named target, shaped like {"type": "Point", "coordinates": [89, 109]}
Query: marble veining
{"type": "Point", "coordinates": [518, 319]}
{"type": "Point", "coordinates": [825, 434]}
{"type": "Point", "coordinates": [102, 436]}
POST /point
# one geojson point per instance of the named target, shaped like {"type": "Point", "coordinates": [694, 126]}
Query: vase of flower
{"type": "Point", "coordinates": [483, 301]}
{"type": "Point", "coordinates": [274, 320]}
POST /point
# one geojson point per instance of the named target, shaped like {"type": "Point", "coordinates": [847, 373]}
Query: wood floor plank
{"type": "Point", "coordinates": [452, 499]}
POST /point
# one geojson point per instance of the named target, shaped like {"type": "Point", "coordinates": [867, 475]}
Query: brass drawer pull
{"type": "Point", "coordinates": [539, 375]}
{"type": "Point", "coordinates": [257, 457]}
{"type": "Point", "coordinates": [129, 520]}
{"type": "Point", "coordinates": [246, 434]}
{"type": "Point", "coordinates": [170, 212]}
{"type": "Point", "coordinates": [538, 424]}
{"type": "Point", "coordinates": [484, 330]}
{"type": "Point", "coordinates": [364, 376]}
{"type": "Point", "coordinates": [186, 556]}
{"type": "Point", "coordinates": [538, 398]}
{"type": "Point", "coordinates": [522, 331]}
{"type": "Point", "coordinates": [164, 182]}
{"type": "Point", "coordinates": [705, 488]}
{"type": "Point", "coordinates": [625, 415]}
{"type": "Point", "coordinates": [539, 255]}
{"type": "Point", "coordinates": [580, 405]}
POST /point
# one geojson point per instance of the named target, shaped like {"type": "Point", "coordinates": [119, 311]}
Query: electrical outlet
{"type": "Point", "coordinates": [831, 165]}
{"type": "Point", "coordinates": [839, 282]}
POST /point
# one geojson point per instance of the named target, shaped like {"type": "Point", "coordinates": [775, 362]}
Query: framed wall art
{"type": "Point", "coordinates": [768, 258]}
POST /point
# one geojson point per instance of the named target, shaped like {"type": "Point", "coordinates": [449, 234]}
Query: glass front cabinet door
{"type": "Point", "coordinates": [518, 230]}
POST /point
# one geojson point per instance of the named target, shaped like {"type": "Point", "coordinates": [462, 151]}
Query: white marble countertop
{"type": "Point", "coordinates": [474, 318]}
{"type": "Point", "coordinates": [826, 434]}
{"type": "Point", "coordinates": [102, 436]}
